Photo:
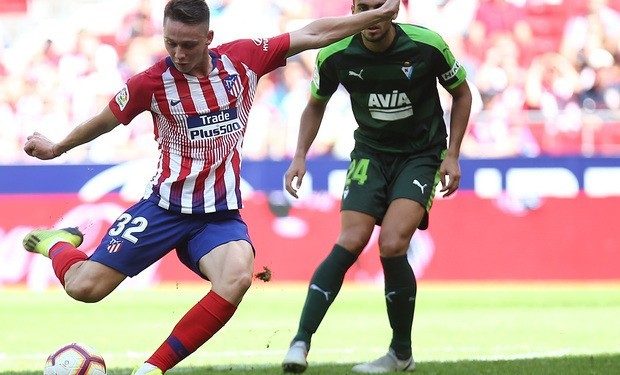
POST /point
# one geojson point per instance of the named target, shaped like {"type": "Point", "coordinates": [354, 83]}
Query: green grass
{"type": "Point", "coordinates": [528, 328]}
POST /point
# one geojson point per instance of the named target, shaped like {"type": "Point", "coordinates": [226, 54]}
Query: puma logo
{"type": "Point", "coordinates": [358, 75]}
{"type": "Point", "coordinates": [418, 184]}
{"type": "Point", "coordinates": [392, 294]}
{"type": "Point", "coordinates": [318, 289]}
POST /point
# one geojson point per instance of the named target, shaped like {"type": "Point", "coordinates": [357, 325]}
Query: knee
{"type": "Point", "coordinates": [353, 241]}
{"type": "Point", "coordinates": [233, 286]}
{"type": "Point", "coordinates": [83, 291]}
{"type": "Point", "coordinates": [393, 245]}
{"type": "Point", "coordinates": [241, 281]}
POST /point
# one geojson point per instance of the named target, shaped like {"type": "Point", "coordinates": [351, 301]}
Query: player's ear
{"type": "Point", "coordinates": [209, 37]}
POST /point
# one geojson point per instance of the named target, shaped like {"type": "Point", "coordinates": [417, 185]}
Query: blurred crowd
{"type": "Point", "coordinates": [545, 73]}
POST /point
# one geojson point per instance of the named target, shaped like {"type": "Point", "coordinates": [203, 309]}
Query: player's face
{"type": "Point", "coordinates": [188, 45]}
{"type": "Point", "coordinates": [378, 33]}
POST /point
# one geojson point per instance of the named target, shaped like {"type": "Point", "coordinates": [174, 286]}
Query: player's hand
{"type": "Point", "coordinates": [295, 171]}
{"type": "Point", "coordinates": [450, 168]}
{"type": "Point", "coordinates": [391, 8]}
{"type": "Point", "coordinates": [38, 146]}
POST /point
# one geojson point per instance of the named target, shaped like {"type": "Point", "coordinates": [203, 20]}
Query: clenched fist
{"type": "Point", "coordinates": [38, 146]}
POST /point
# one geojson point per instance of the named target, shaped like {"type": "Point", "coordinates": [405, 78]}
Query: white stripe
{"type": "Point", "coordinates": [176, 138]}
{"type": "Point", "coordinates": [158, 117]}
{"type": "Point", "coordinates": [164, 190]}
{"type": "Point", "coordinates": [220, 92]}
{"type": "Point", "coordinates": [209, 192]}
{"type": "Point", "coordinates": [391, 114]}
{"type": "Point", "coordinates": [187, 196]}
{"type": "Point", "coordinates": [198, 96]}
{"type": "Point", "coordinates": [230, 181]}
{"type": "Point", "coordinates": [246, 102]}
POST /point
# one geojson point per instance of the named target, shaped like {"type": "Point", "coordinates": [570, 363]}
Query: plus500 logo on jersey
{"type": "Point", "coordinates": [213, 125]}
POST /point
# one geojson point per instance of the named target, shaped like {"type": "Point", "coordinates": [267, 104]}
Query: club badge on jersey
{"type": "Point", "coordinates": [233, 85]}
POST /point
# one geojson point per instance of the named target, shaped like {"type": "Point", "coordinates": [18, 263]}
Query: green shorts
{"type": "Point", "coordinates": [375, 179]}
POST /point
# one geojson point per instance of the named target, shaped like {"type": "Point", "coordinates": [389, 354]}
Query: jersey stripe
{"type": "Point", "coordinates": [184, 100]}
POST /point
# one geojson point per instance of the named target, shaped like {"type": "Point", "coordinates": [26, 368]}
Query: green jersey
{"type": "Point", "coordinates": [393, 93]}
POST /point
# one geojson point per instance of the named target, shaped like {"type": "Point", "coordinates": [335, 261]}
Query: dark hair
{"type": "Point", "coordinates": [191, 12]}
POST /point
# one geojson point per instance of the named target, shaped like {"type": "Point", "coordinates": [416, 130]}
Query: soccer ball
{"type": "Point", "coordinates": [74, 358]}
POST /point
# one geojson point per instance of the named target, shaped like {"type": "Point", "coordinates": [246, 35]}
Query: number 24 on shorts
{"type": "Point", "coordinates": [358, 171]}
{"type": "Point", "coordinates": [126, 226]}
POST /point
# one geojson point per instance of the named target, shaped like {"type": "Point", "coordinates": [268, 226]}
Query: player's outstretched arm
{"type": "Point", "coordinates": [42, 148]}
{"type": "Point", "coordinates": [309, 125]}
{"type": "Point", "coordinates": [459, 118]}
{"type": "Point", "coordinates": [325, 31]}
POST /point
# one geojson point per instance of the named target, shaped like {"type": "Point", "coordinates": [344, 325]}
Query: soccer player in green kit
{"type": "Point", "coordinates": [401, 153]}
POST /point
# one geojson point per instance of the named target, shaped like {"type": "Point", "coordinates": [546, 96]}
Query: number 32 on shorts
{"type": "Point", "coordinates": [127, 226]}
{"type": "Point", "coordinates": [358, 171]}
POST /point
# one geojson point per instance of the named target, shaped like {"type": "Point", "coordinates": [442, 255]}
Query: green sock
{"type": "Point", "coordinates": [400, 292]}
{"type": "Point", "coordinates": [324, 287]}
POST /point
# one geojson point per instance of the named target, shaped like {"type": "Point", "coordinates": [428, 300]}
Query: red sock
{"type": "Point", "coordinates": [195, 328]}
{"type": "Point", "coordinates": [63, 256]}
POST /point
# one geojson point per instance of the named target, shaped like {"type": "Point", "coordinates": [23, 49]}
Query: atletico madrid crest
{"type": "Point", "coordinates": [114, 246]}
{"type": "Point", "coordinates": [233, 85]}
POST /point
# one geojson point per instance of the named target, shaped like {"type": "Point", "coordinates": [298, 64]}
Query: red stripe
{"type": "Point", "coordinates": [209, 93]}
{"type": "Point", "coordinates": [165, 168]}
{"type": "Point", "coordinates": [189, 109]}
{"type": "Point", "coordinates": [162, 101]}
{"type": "Point", "coordinates": [236, 165]}
{"type": "Point", "coordinates": [198, 199]}
{"type": "Point", "coordinates": [184, 93]}
{"type": "Point", "coordinates": [176, 189]}
{"type": "Point", "coordinates": [220, 187]}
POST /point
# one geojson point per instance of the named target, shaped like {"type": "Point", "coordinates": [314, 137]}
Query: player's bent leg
{"type": "Point", "coordinates": [229, 267]}
{"type": "Point", "coordinates": [400, 222]}
{"type": "Point", "coordinates": [385, 364]}
{"type": "Point", "coordinates": [90, 281]}
{"type": "Point", "coordinates": [295, 359]}
{"type": "Point", "coordinates": [42, 240]}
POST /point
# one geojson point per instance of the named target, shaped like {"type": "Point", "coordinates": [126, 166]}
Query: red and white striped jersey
{"type": "Point", "coordinates": [199, 123]}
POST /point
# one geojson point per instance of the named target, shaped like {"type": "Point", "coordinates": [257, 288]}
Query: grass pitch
{"type": "Point", "coordinates": [529, 328]}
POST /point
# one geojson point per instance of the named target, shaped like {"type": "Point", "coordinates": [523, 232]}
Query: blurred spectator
{"type": "Point", "coordinates": [49, 80]}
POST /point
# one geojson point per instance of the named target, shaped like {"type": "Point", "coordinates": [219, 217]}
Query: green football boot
{"type": "Point", "coordinates": [41, 240]}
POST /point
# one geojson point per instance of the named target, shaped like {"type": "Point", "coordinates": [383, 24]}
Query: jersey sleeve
{"type": "Point", "coordinates": [324, 78]}
{"type": "Point", "coordinates": [262, 55]}
{"type": "Point", "coordinates": [449, 72]}
{"type": "Point", "coordinates": [133, 99]}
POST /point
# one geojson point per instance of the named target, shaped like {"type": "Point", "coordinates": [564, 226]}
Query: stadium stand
{"type": "Point", "coordinates": [546, 72]}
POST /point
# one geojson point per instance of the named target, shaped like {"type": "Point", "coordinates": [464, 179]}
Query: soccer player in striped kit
{"type": "Point", "coordinates": [199, 98]}
{"type": "Point", "coordinates": [401, 153]}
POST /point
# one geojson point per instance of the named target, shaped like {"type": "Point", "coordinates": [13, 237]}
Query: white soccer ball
{"type": "Point", "coordinates": [73, 359]}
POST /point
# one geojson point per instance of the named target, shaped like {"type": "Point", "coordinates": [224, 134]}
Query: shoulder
{"type": "Point", "coordinates": [242, 47]}
{"type": "Point", "coordinates": [421, 34]}
{"type": "Point", "coordinates": [151, 76]}
{"type": "Point", "coordinates": [334, 48]}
